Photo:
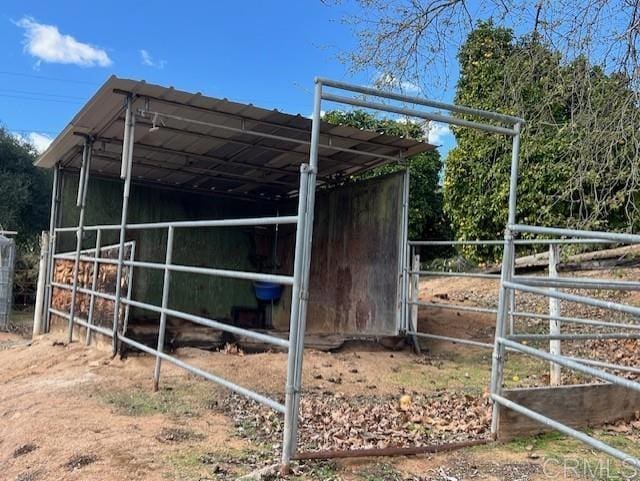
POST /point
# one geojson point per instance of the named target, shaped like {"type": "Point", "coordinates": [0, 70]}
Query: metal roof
{"type": "Point", "coordinates": [209, 144]}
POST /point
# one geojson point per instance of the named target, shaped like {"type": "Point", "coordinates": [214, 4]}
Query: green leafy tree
{"type": "Point", "coordinates": [426, 216]}
{"type": "Point", "coordinates": [578, 166]}
{"type": "Point", "coordinates": [25, 190]}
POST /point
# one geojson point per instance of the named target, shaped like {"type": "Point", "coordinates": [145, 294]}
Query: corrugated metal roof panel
{"type": "Point", "coordinates": [191, 153]}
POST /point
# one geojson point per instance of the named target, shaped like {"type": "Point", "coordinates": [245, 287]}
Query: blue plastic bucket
{"type": "Point", "coordinates": [267, 291]}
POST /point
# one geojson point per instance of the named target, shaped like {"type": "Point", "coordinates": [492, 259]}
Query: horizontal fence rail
{"type": "Point", "coordinates": [580, 436]}
{"type": "Point", "coordinates": [613, 306]}
{"type": "Point", "coordinates": [246, 222]}
{"type": "Point", "coordinates": [211, 377]}
{"type": "Point", "coordinates": [89, 256]}
{"type": "Point", "coordinates": [582, 234]}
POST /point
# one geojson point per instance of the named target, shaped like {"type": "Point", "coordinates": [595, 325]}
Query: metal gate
{"type": "Point", "coordinates": [7, 263]}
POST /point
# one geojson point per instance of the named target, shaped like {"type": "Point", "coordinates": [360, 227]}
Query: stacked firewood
{"type": "Point", "coordinates": [106, 281]}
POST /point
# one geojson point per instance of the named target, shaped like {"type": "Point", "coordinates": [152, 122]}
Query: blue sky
{"type": "Point", "coordinates": [56, 54]}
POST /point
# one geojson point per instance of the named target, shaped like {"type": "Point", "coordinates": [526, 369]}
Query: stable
{"type": "Point", "coordinates": [172, 210]}
{"type": "Point", "coordinates": [195, 159]}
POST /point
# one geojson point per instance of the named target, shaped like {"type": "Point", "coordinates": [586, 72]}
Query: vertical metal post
{"type": "Point", "coordinates": [127, 160]}
{"type": "Point", "coordinates": [555, 377]}
{"type": "Point", "coordinates": [512, 309]}
{"type": "Point", "coordinates": [81, 202]}
{"type": "Point", "coordinates": [165, 304]}
{"type": "Point", "coordinates": [127, 308]}
{"type": "Point", "coordinates": [508, 258]}
{"type": "Point", "coordinates": [42, 280]}
{"type": "Point", "coordinates": [404, 254]}
{"type": "Point", "coordinates": [415, 290]}
{"type": "Point", "coordinates": [296, 298]}
{"type": "Point", "coordinates": [94, 285]}
{"type": "Point", "coordinates": [53, 223]}
{"type": "Point", "coordinates": [306, 266]}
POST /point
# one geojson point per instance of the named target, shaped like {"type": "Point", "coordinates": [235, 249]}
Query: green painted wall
{"type": "Point", "coordinates": [226, 248]}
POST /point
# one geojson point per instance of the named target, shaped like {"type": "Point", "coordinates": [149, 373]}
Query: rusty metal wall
{"type": "Point", "coordinates": [354, 265]}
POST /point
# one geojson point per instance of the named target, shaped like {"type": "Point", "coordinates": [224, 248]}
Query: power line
{"type": "Point", "coordinates": [44, 77]}
{"type": "Point", "coordinates": [42, 94]}
{"type": "Point", "coordinates": [42, 99]}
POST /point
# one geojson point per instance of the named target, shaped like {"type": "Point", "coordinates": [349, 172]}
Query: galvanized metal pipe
{"type": "Point", "coordinates": [243, 391]}
{"type": "Point", "coordinates": [421, 114]}
{"type": "Point", "coordinates": [580, 436]}
{"type": "Point", "coordinates": [94, 285]}
{"type": "Point", "coordinates": [497, 362]}
{"type": "Point", "coordinates": [566, 362]}
{"type": "Point", "coordinates": [454, 307]}
{"type": "Point", "coordinates": [244, 275]}
{"type": "Point", "coordinates": [297, 293]}
{"type": "Point", "coordinates": [126, 168]}
{"type": "Point", "coordinates": [508, 262]}
{"type": "Point", "coordinates": [306, 269]}
{"type": "Point", "coordinates": [493, 242]}
{"type": "Point", "coordinates": [585, 234]}
{"type": "Point", "coordinates": [165, 304]}
{"type": "Point", "coordinates": [86, 163]}
{"type": "Point", "coordinates": [294, 374]}
{"type": "Point", "coordinates": [246, 222]}
{"type": "Point", "coordinates": [132, 256]}
{"type": "Point", "coordinates": [404, 255]}
{"type": "Point", "coordinates": [607, 365]}
{"type": "Point", "coordinates": [126, 144]}
{"type": "Point", "coordinates": [272, 136]}
{"type": "Point", "coordinates": [81, 322]}
{"type": "Point", "coordinates": [474, 275]}
{"type": "Point", "coordinates": [82, 290]}
{"type": "Point", "coordinates": [578, 320]}
{"type": "Point", "coordinates": [38, 312]}
{"type": "Point", "coordinates": [578, 283]}
{"type": "Point", "coordinates": [509, 119]}
{"type": "Point", "coordinates": [82, 176]}
{"type": "Point", "coordinates": [99, 260]}
{"type": "Point", "coordinates": [203, 321]}
{"type": "Point", "coordinates": [52, 243]}
{"type": "Point", "coordinates": [455, 340]}
{"type": "Point", "coordinates": [574, 337]}
{"type": "Point", "coordinates": [555, 347]}
{"type": "Point", "coordinates": [614, 306]}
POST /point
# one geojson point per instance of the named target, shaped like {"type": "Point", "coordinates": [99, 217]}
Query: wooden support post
{"type": "Point", "coordinates": [555, 377]}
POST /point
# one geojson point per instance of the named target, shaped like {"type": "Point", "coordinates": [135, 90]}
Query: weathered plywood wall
{"type": "Point", "coordinates": [355, 259]}
{"type": "Point", "coordinates": [579, 406]}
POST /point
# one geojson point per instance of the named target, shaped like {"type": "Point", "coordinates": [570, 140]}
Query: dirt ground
{"type": "Point", "coordinates": [68, 412]}
{"type": "Point", "coordinates": [73, 413]}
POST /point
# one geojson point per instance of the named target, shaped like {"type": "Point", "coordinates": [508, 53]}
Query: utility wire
{"type": "Point", "coordinates": [42, 99]}
{"type": "Point", "coordinates": [41, 94]}
{"type": "Point", "coordinates": [44, 77]}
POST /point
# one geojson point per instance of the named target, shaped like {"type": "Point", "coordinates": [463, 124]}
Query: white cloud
{"type": "Point", "coordinates": [147, 60]}
{"type": "Point", "coordinates": [47, 44]}
{"type": "Point", "coordinates": [385, 80]}
{"type": "Point", "coordinates": [437, 132]}
{"type": "Point", "coordinates": [39, 142]}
